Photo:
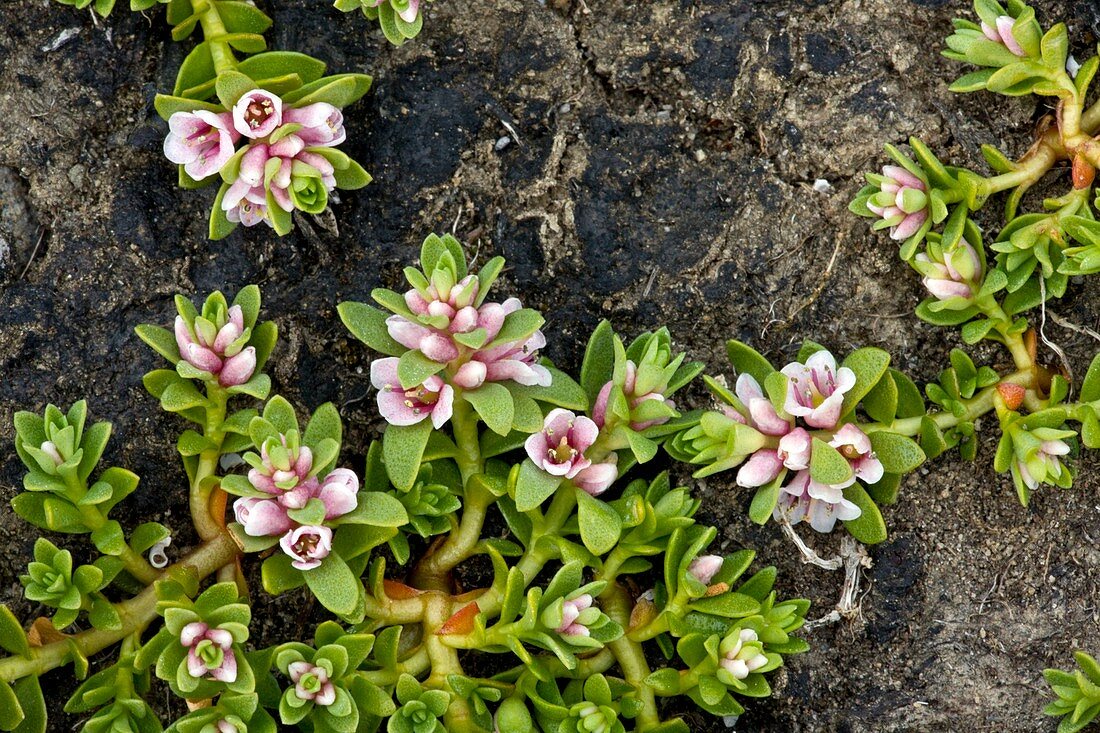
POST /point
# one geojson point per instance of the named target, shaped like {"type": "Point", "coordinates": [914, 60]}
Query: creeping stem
{"type": "Point", "coordinates": [616, 603]}
{"type": "Point", "coordinates": [206, 525]}
{"type": "Point", "coordinates": [213, 29]}
{"type": "Point", "coordinates": [432, 571]}
{"type": "Point", "coordinates": [135, 614]}
{"type": "Point", "coordinates": [93, 518]}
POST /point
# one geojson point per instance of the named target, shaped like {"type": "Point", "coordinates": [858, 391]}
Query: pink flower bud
{"type": "Point", "coordinates": [238, 369]}
{"type": "Point", "coordinates": [705, 567]}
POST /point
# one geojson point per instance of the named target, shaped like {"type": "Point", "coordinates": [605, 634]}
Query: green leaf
{"type": "Point", "coordinates": [29, 694]}
{"type": "Point", "coordinates": [231, 85]}
{"type": "Point", "coordinates": [241, 17]}
{"type": "Point", "coordinates": [414, 368]}
{"type": "Point", "coordinates": [281, 63]}
{"type": "Point", "coordinates": [897, 453]}
{"type": "Point", "coordinates": [881, 403]}
{"type": "Point", "coordinates": [12, 637]}
{"type": "Point", "coordinates": [351, 177]}
{"type": "Point", "coordinates": [534, 486]}
{"type": "Point", "coordinates": [827, 465]}
{"type": "Point", "coordinates": [337, 91]}
{"type": "Point", "coordinates": [402, 448]}
{"type": "Point", "coordinates": [378, 509]}
{"type": "Point", "coordinates": [764, 501]}
{"type": "Point", "coordinates": [335, 585]}
{"type": "Point", "coordinates": [196, 70]}
{"type": "Point", "coordinates": [600, 524]}
{"type": "Point", "coordinates": [161, 340]}
{"type": "Point", "coordinates": [886, 490]}
{"type": "Point", "coordinates": [747, 360]}
{"type": "Point", "coordinates": [493, 403]}
{"type": "Point", "coordinates": [599, 360]}
{"type": "Point", "coordinates": [167, 105]}
{"type": "Point", "coordinates": [11, 714]}
{"type": "Point", "coordinates": [727, 605]}
{"type": "Point", "coordinates": [868, 527]}
{"type": "Point", "coordinates": [869, 365]}
{"type": "Point", "coordinates": [1090, 387]}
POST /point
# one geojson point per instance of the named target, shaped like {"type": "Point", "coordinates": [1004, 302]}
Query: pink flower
{"type": "Point", "coordinates": [598, 477]}
{"type": "Point", "coordinates": [218, 350]}
{"type": "Point", "coordinates": [516, 360]}
{"type": "Point", "coordinates": [261, 517]}
{"type": "Point", "coordinates": [257, 113]}
{"type": "Point", "coordinates": [338, 492]}
{"type": "Point", "coordinates": [794, 449]}
{"type": "Point", "coordinates": [311, 683]}
{"type": "Point", "coordinates": [630, 381]}
{"type": "Point", "coordinates": [761, 468]}
{"type": "Point", "coordinates": [200, 141]}
{"type": "Point", "coordinates": [307, 546]}
{"type": "Point", "coordinates": [820, 504]}
{"type": "Point", "coordinates": [705, 567]}
{"type": "Point", "coordinates": [762, 414]}
{"type": "Point", "coordinates": [572, 621]}
{"type": "Point", "coordinates": [1002, 33]}
{"type": "Point", "coordinates": [853, 444]}
{"type": "Point", "coordinates": [209, 652]}
{"type": "Point", "coordinates": [954, 276]}
{"type": "Point", "coordinates": [559, 447]}
{"type": "Point", "coordinates": [434, 398]}
{"type": "Point", "coordinates": [902, 202]}
{"type": "Point", "coordinates": [816, 389]}
{"type": "Point", "coordinates": [322, 124]}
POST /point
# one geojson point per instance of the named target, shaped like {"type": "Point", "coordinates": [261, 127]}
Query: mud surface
{"type": "Point", "coordinates": [660, 170]}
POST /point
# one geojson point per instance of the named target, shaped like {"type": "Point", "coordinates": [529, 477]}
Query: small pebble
{"type": "Point", "coordinates": [822, 186]}
{"type": "Point", "coordinates": [502, 143]}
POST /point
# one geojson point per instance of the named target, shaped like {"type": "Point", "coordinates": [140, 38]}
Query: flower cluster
{"type": "Point", "coordinates": [285, 162]}
{"type": "Point", "coordinates": [400, 20]}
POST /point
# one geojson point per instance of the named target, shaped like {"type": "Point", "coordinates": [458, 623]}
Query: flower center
{"type": "Point", "coordinates": [257, 112]}
{"type": "Point", "coordinates": [420, 398]}
{"type": "Point", "coordinates": [850, 452]}
{"type": "Point", "coordinates": [306, 545]}
{"type": "Point", "coordinates": [563, 452]}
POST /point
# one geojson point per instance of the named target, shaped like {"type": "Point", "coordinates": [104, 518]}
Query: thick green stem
{"type": "Point", "coordinates": [977, 406]}
{"type": "Point", "coordinates": [212, 29]}
{"type": "Point", "coordinates": [206, 525]}
{"type": "Point", "coordinates": [135, 614]}
{"type": "Point", "coordinates": [93, 519]}
{"type": "Point", "coordinates": [432, 572]}
{"type": "Point", "coordinates": [631, 657]}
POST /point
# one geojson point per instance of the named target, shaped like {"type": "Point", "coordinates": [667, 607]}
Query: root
{"type": "Point", "coordinates": [853, 558]}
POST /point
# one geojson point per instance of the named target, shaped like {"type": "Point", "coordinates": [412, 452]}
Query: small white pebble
{"type": "Point", "coordinates": [502, 143]}
{"type": "Point", "coordinates": [700, 156]}
{"type": "Point", "coordinates": [230, 461]}
{"type": "Point", "coordinates": [730, 721]}
{"type": "Point", "coordinates": [61, 39]}
{"type": "Point", "coordinates": [822, 186]}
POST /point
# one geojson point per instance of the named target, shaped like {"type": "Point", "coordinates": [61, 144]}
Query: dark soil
{"type": "Point", "coordinates": [663, 174]}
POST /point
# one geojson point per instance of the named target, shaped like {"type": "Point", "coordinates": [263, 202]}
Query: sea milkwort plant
{"type": "Point", "coordinates": [264, 128]}
{"type": "Point", "coordinates": [602, 598]}
{"type": "Point", "coordinates": [823, 439]}
{"type": "Point", "coordinates": [400, 20]}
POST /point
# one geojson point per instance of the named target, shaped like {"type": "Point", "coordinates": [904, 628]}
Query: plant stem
{"type": "Point", "coordinates": [135, 613]}
{"type": "Point", "coordinates": [206, 525]}
{"type": "Point", "coordinates": [631, 657]}
{"type": "Point", "coordinates": [213, 28]}
{"type": "Point", "coordinates": [93, 519]}
{"type": "Point", "coordinates": [978, 405]}
{"type": "Point", "coordinates": [432, 571]}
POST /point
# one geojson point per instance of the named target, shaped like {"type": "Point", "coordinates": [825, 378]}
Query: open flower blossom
{"type": "Point", "coordinates": [853, 444]}
{"type": "Point", "coordinates": [433, 399]}
{"type": "Point", "coordinates": [311, 683]}
{"type": "Point", "coordinates": [209, 652]}
{"type": "Point", "coordinates": [819, 504]}
{"type": "Point", "coordinates": [201, 141]}
{"type": "Point", "coordinates": [576, 614]}
{"type": "Point", "coordinates": [559, 447]}
{"type": "Point", "coordinates": [218, 348]}
{"type": "Point", "coordinates": [902, 202]}
{"type": "Point", "coordinates": [705, 567]}
{"type": "Point", "coordinates": [741, 654]}
{"type": "Point", "coordinates": [307, 546]}
{"type": "Point", "coordinates": [599, 409]}
{"type": "Point", "coordinates": [322, 124]}
{"type": "Point", "coordinates": [258, 113]}
{"type": "Point", "coordinates": [955, 276]}
{"type": "Point", "coordinates": [1001, 33]}
{"type": "Point", "coordinates": [816, 389]}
